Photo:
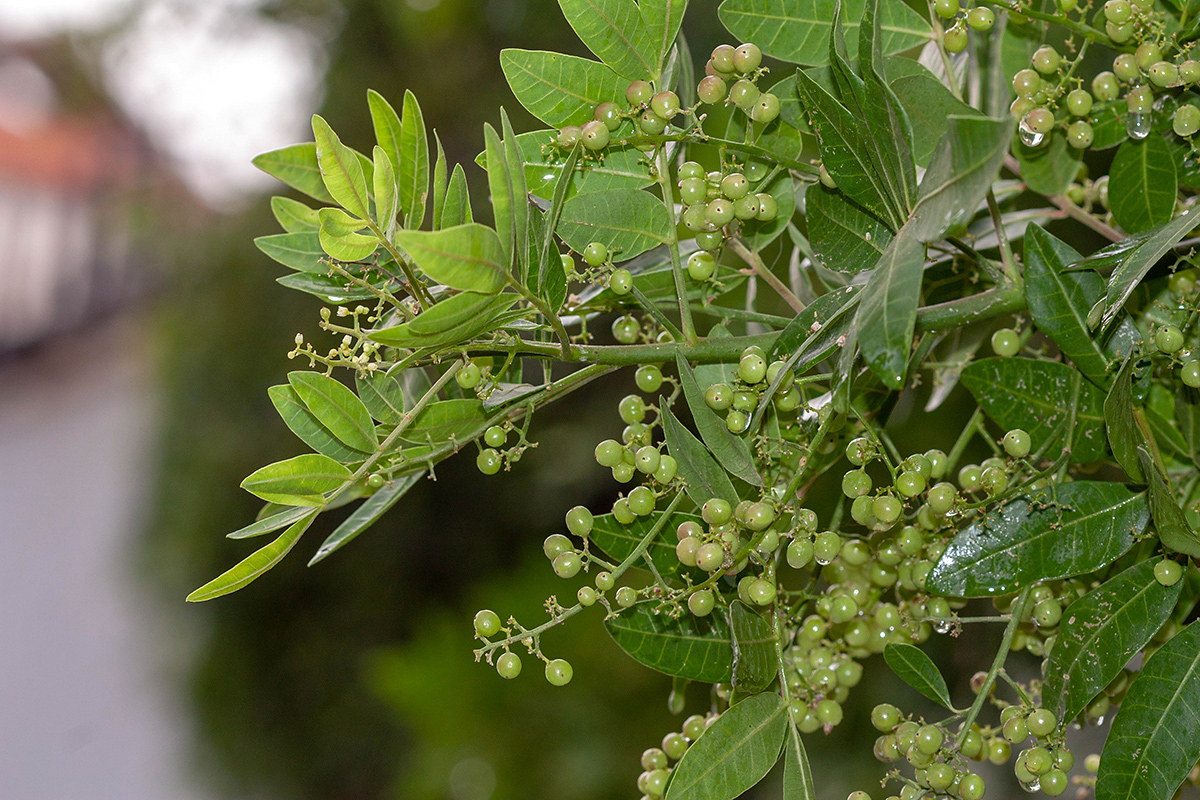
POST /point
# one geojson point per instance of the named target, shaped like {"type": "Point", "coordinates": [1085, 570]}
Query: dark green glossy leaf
{"type": "Point", "coordinates": [1064, 530]}
{"type": "Point", "coordinates": [366, 514]}
{"type": "Point", "coordinates": [467, 257]}
{"type": "Point", "coordinates": [698, 649]}
{"type": "Point", "coordinates": [1108, 127]}
{"type": "Point", "coordinates": [341, 170]}
{"type": "Point", "coordinates": [815, 318]}
{"type": "Point", "coordinates": [302, 422]}
{"type": "Point", "coordinates": [797, 775]}
{"type": "Point", "coordinates": [337, 408]}
{"type": "Point", "coordinates": [887, 311]}
{"type": "Point", "coordinates": [731, 451]}
{"type": "Point", "coordinates": [1049, 168]}
{"type": "Point", "coordinates": [626, 221]}
{"type": "Point", "coordinates": [1124, 435]}
{"type": "Point", "coordinates": [293, 216]}
{"type": "Point", "coordinates": [1142, 184]}
{"type": "Point", "coordinates": [1155, 738]}
{"type": "Point", "coordinates": [1187, 414]}
{"type": "Point", "coordinates": [297, 167]}
{"type": "Point", "coordinates": [1169, 520]}
{"type": "Point", "coordinates": [754, 661]}
{"type": "Point", "coordinates": [613, 30]}
{"type": "Point", "coordinates": [559, 89]}
{"type": "Point", "coordinates": [255, 564]}
{"type": "Point", "coordinates": [928, 104]}
{"type": "Point", "coordinates": [455, 421]}
{"type": "Point", "coordinates": [845, 237]}
{"type": "Point", "coordinates": [797, 31]}
{"type": "Point", "coordinates": [1100, 632]}
{"type": "Point", "coordinates": [916, 669]}
{"type": "Point", "coordinates": [299, 481]}
{"type": "Point", "coordinates": [1059, 302]}
{"type": "Point", "coordinates": [1038, 397]}
{"type": "Point", "coordinates": [618, 541]}
{"type": "Point", "coordinates": [300, 251]}
{"type": "Point", "coordinates": [734, 753]}
{"type": "Point", "coordinates": [704, 477]}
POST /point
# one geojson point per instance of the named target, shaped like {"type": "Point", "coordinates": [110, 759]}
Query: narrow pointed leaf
{"type": "Point", "coordinates": [270, 523]}
{"type": "Point", "coordinates": [1124, 435]}
{"type": "Point", "coordinates": [305, 424]}
{"type": "Point", "coordinates": [412, 173]}
{"type": "Point", "coordinates": [388, 129]}
{"type": "Point", "coordinates": [731, 451]}
{"type": "Point", "coordinates": [1169, 520]}
{"type": "Point", "coordinates": [662, 19]}
{"type": "Point", "coordinates": [887, 311]}
{"type": "Point", "coordinates": [1143, 183]}
{"type": "Point", "coordinates": [341, 170]}
{"type": "Point", "coordinates": [519, 209]}
{"type": "Point", "coordinates": [797, 774]}
{"type": "Point", "coordinates": [457, 210]}
{"type": "Point", "coordinates": [386, 198]}
{"type": "Point", "coordinates": [440, 181]}
{"type": "Point", "coordinates": [366, 514]}
{"type": "Point", "coordinates": [254, 565]}
{"type": "Point", "coordinates": [466, 257]}
{"type": "Point", "coordinates": [293, 216]}
{"type": "Point", "coordinates": [699, 470]}
{"type": "Point", "coordinates": [549, 253]}
{"type": "Point", "coordinates": [916, 669]}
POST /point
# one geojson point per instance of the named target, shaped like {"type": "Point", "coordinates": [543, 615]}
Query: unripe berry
{"type": "Point", "coordinates": [1126, 68]}
{"type": "Point", "coordinates": [1167, 572]}
{"type": "Point", "coordinates": [639, 92]}
{"type": "Point", "coordinates": [1026, 83]}
{"type": "Point", "coordinates": [595, 135]}
{"type": "Point", "coordinates": [569, 136]}
{"type": "Point", "coordinates": [722, 59]}
{"type": "Point", "coordinates": [665, 105]}
{"type": "Point", "coordinates": [767, 208]}
{"type": "Point", "coordinates": [1147, 53]}
{"type": "Point", "coordinates": [559, 672]}
{"type": "Point", "coordinates": [487, 623]}
{"type": "Point", "coordinates": [719, 212]}
{"type": "Point", "coordinates": [1118, 12]}
{"type": "Point", "coordinates": [946, 9]}
{"type": "Point", "coordinates": [701, 266]}
{"type": "Point", "coordinates": [1187, 120]}
{"type": "Point", "coordinates": [651, 124]}
{"type": "Point", "coordinates": [765, 108]}
{"type": "Point", "coordinates": [711, 90]}
{"type": "Point", "coordinates": [955, 39]}
{"type": "Point", "coordinates": [508, 665]}
{"type": "Point", "coordinates": [1040, 120]}
{"type": "Point", "coordinates": [1046, 60]}
{"type": "Point", "coordinates": [1006, 342]}
{"type": "Point", "coordinates": [981, 18]}
{"type": "Point", "coordinates": [1163, 74]}
{"type": "Point", "coordinates": [746, 58]}
{"type": "Point", "coordinates": [1189, 71]}
{"type": "Point", "coordinates": [620, 282]}
{"type": "Point", "coordinates": [1189, 373]}
{"type": "Point", "coordinates": [1105, 86]}
{"type": "Point", "coordinates": [1080, 135]}
{"type": "Point", "coordinates": [744, 94]}
{"type": "Point", "coordinates": [1079, 102]}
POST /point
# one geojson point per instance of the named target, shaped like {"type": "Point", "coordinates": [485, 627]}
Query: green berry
{"type": "Point", "coordinates": [567, 565]}
{"type": "Point", "coordinates": [767, 207]}
{"type": "Point", "coordinates": [595, 254]}
{"type": "Point", "coordinates": [626, 329]}
{"type": "Point", "coordinates": [719, 212]}
{"type": "Point", "coordinates": [1118, 12]}
{"type": "Point", "coordinates": [1042, 723]}
{"type": "Point", "coordinates": [701, 265]}
{"type": "Point", "coordinates": [1168, 339]}
{"type": "Point", "coordinates": [828, 712]}
{"type": "Point", "coordinates": [559, 672]}
{"type": "Point", "coordinates": [648, 378]}
{"type": "Point", "coordinates": [765, 109]}
{"type": "Point", "coordinates": [569, 136]}
{"type": "Point", "coordinates": [494, 436]}
{"type": "Point", "coordinates": [744, 94]}
{"type": "Point", "coordinates": [1079, 102]}
{"type": "Point", "coordinates": [1039, 120]}
{"type": "Point", "coordinates": [799, 553]}
{"type": "Point", "coordinates": [1189, 373]}
{"type": "Point", "coordinates": [887, 509]}
{"type": "Point", "coordinates": [1148, 53]}
{"type": "Point", "coordinates": [1140, 100]}
{"type": "Point", "coordinates": [955, 39]}
{"type": "Point", "coordinates": [1054, 782]}
{"type": "Point", "coordinates": [626, 597]}
{"type": "Point", "coordinates": [647, 459]}
{"type": "Point", "coordinates": [735, 186]}
{"type": "Point", "coordinates": [487, 623]}
{"type": "Point", "coordinates": [1026, 83]}
{"type": "Point", "coordinates": [1046, 60]}
{"type": "Point", "coordinates": [508, 665]}
{"type": "Point", "coordinates": [579, 521]}
{"type": "Point", "coordinates": [1189, 71]}
{"type": "Point", "coordinates": [710, 557]}
{"type": "Point", "coordinates": [747, 208]}
{"type": "Point", "coordinates": [710, 240]}
{"type": "Point", "coordinates": [1016, 443]}
{"type": "Point", "coordinates": [761, 592]}
{"type": "Point", "coordinates": [711, 89]}
{"type": "Point", "coordinates": [587, 596]}
{"type": "Point", "coordinates": [1168, 572]}
{"type": "Point", "coordinates": [1163, 74]}
{"type": "Point", "coordinates": [609, 114]}
{"type": "Point", "coordinates": [752, 368]}
{"type": "Point", "coordinates": [737, 421]}
{"type": "Point", "coordinates": [375, 481]}
{"type": "Point", "coordinates": [1006, 342]}
{"type": "Point", "coordinates": [651, 124]}
{"type": "Point", "coordinates": [604, 581]}
{"type": "Point", "coordinates": [946, 9]}
{"type": "Point", "coordinates": [1187, 120]}
{"type": "Point", "coordinates": [722, 59]}
{"type": "Point", "coordinates": [941, 498]}
{"type": "Point", "coordinates": [620, 282]}
{"type": "Point", "coordinates": [971, 787]}
{"type": "Point", "coordinates": [701, 603]}
{"type": "Point", "coordinates": [885, 717]}
{"type": "Point", "coordinates": [595, 135]}
{"type": "Point", "coordinates": [641, 499]}
{"type": "Point", "coordinates": [981, 18]}
{"type": "Point", "coordinates": [639, 92]}
{"type": "Point", "coordinates": [1125, 68]}
{"type": "Point", "coordinates": [665, 105]}
{"type": "Point", "coordinates": [468, 377]}
{"type": "Point", "coordinates": [1080, 135]}
{"type": "Point", "coordinates": [489, 461]}
{"type": "Point", "coordinates": [1105, 87]}
{"type": "Point", "coordinates": [718, 397]}
{"type": "Point", "coordinates": [746, 58]}
{"type": "Point", "coordinates": [691, 169]}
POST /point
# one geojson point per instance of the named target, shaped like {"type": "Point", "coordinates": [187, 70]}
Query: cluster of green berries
{"type": "Point", "coordinates": [941, 766]}
{"type": "Point", "coordinates": [656, 761]}
{"type": "Point", "coordinates": [636, 454]}
{"type": "Point", "coordinates": [754, 376]}
{"type": "Point", "coordinates": [958, 19]}
{"type": "Point", "coordinates": [649, 112]}
{"type": "Point", "coordinates": [713, 201]}
{"type": "Point", "coordinates": [508, 663]}
{"type": "Point", "coordinates": [741, 66]}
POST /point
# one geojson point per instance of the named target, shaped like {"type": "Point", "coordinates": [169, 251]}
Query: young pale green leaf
{"type": "Point", "coordinates": [754, 661]}
{"type": "Point", "coordinates": [696, 648]}
{"type": "Point", "coordinates": [1142, 183]}
{"type": "Point", "coordinates": [500, 187]}
{"type": "Point", "coordinates": [928, 104]}
{"type": "Point", "coordinates": [383, 395]}
{"type": "Point", "coordinates": [844, 236]}
{"type": "Point", "coordinates": [735, 753]}
{"type": "Point", "coordinates": [452, 321]}
{"type": "Point", "coordinates": [297, 167]}
{"type": "Point", "coordinates": [386, 197]}
{"type": "Point", "coordinates": [293, 216]}
{"type": "Point", "coordinates": [346, 246]}
{"type": "Point", "coordinates": [626, 221]}
{"type": "Point", "coordinates": [466, 257]}
{"type": "Point", "coordinates": [300, 481]}
{"type": "Point", "coordinates": [271, 522]}
{"type": "Point", "coordinates": [341, 170]}
{"type": "Point", "coordinates": [457, 210]}
{"type": "Point", "coordinates": [305, 424]}
{"type": "Point", "coordinates": [367, 514]}
{"type": "Point", "coordinates": [731, 451]}
{"type": "Point", "coordinates": [1169, 520]}
{"type": "Point", "coordinates": [796, 31]}
{"type": "Point", "coordinates": [916, 669]}
{"type": "Point", "coordinates": [456, 421]}
{"type": "Point", "coordinates": [1124, 435]}
{"type": "Point", "coordinates": [1100, 632]}
{"type": "Point", "coordinates": [440, 181]}
{"type": "Point", "coordinates": [613, 30]}
{"type": "Point", "coordinates": [388, 129]}
{"type": "Point", "coordinates": [300, 251]}
{"type": "Point", "coordinates": [797, 774]}
{"type": "Point", "coordinates": [412, 174]}
{"type": "Point", "coordinates": [961, 171]}
{"type": "Point", "coordinates": [1059, 302]}
{"type": "Point", "coordinates": [700, 472]}
{"type": "Point", "coordinates": [337, 408]}
{"type": "Point", "coordinates": [662, 19]}
{"type": "Point", "coordinates": [1044, 399]}
{"type": "Point", "coordinates": [618, 541]}
{"type": "Point", "coordinates": [255, 564]}
{"type": "Point", "coordinates": [559, 89]}
{"type": "Point", "coordinates": [887, 310]}
{"type": "Point", "coordinates": [1155, 738]}
{"type": "Point", "coordinates": [1058, 532]}
{"type": "Point", "coordinates": [519, 208]}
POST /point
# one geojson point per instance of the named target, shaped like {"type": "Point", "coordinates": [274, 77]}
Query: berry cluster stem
{"type": "Point", "coordinates": [1017, 612]}
{"type": "Point", "coordinates": [668, 198]}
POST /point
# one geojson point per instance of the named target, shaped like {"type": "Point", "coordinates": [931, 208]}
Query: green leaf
{"type": "Point", "coordinates": [550, 278]}
{"type": "Point", "coordinates": [1038, 397]}
{"type": "Point", "coordinates": [383, 395]}
{"type": "Point", "coordinates": [916, 669]}
{"type": "Point", "coordinates": [1049, 168]}
{"type": "Point", "coordinates": [367, 514]}
{"type": "Point", "coordinates": [796, 31]}
{"type": "Point", "coordinates": [340, 170]}
{"type": "Point", "coordinates": [457, 421]}
{"type": "Point", "coordinates": [731, 451]}
{"type": "Point", "coordinates": [1155, 738]}
{"type": "Point", "coordinates": [754, 661]}
{"type": "Point", "coordinates": [559, 89]}
{"type": "Point", "coordinates": [300, 481]}
{"type": "Point", "coordinates": [293, 216]}
{"type": "Point", "coordinates": [1187, 414]}
{"type": "Point", "coordinates": [964, 164]}
{"type": "Point", "coordinates": [270, 523]}
{"type": "Point", "coordinates": [301, 251]}
{"type": "Point", "coordinates": [457, 210]}
{"type": "Point", "coordinates": [388, 129]}
{"type": "Point", "coordinates": [440, 181]}
{"type": "Point", "coordinates": [618, 541]}
{"type": "Point", "coordinates": [1142, 184]}
{"type": "Point", "coordinates": [500, 187]}
{"type": "Point", "coordinates": [797, 775]}
{"type": "Point", "coordinates": [297, 167]}
{"type": "Point", "coordinates": [412, 173]}
{"type": "Point", "coordinates": [386, 198]}
{"type": "Point", "coordinates": [928, 104]}
{"type": "Point", "coordinates": [704, 477]}
{"type": "Point", "coordinates": [255, 564]}
{"type": "Point", "coordinates": [735, 753]}
{"type": "Point", "coordinates": [1169, 520]}
{"type": "Point", "coordinates": [1064, 530]}
{"type": "Point", "coordinates": [613, 30]}
{"type": "Point", "coordinates": [340, 239]}
{"type": "Point", "coordinates": [1124, 435]}
{"type": "Point", "coordinates": [1108, 126]}
{"type": "Point", "coordinates": [467, 257]}
{"type": "Point", "coordinates": [817, 317]}
{"type": "Point", "coordinates": [452, 321]}
{"type": "Point", "coordinates": [337, 408]}
{"type": "Point", "coordinates": [622, 167]}
{"type": "Point", "coordinates": [696, 648]}
{"type": "Point", "coordinates": [1059, 302]}
{"type": "Point", "coordinates": [887, 311]}
{"type": "Point", "coordinates": [302, 422]}
{"type": "Point", "coordinates": [662, 19]}
{"type": "Point", "coordinates": [626, 221]}
{"type": "Point", "coordinates": [519, 209]}
{"type": "Point", "coordinates": [1100, 633]}
{"type": "Point", "coordinates": [331, 290]}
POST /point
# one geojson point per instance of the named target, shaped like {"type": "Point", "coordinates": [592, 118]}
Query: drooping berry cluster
{"type": "Point", "coordinates": [714, 203]}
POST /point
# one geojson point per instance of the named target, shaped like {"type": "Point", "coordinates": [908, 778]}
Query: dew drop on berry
{"type": "Point", "coordinates": [1029, 137]}
{"type": "Point", "coordinates": [1137, 125]}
